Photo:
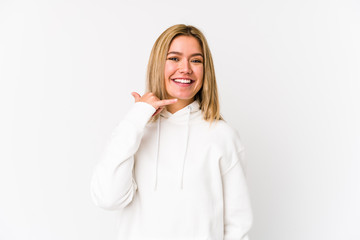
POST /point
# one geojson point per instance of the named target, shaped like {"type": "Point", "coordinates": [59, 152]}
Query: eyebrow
{"type": "Point", "coordinates": [179, 53]}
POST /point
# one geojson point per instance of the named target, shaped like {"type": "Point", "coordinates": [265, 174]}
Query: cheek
{"type": "Point", "coordinates": [169, 70]}
{"type": "Point", "coordinates": [200, 75]}
{"type": "Point", "coordinates": [199, 72]}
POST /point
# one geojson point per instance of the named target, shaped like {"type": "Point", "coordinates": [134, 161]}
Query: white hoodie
{"type": "Point", "coordinates": [178, 178]}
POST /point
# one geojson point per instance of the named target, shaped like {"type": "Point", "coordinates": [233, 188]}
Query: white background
{"type": "Point", "coordinates": [289, 81]}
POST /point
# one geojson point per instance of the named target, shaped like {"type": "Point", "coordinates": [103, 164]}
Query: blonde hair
{"type": "Point", "coordinates": [155, 79]}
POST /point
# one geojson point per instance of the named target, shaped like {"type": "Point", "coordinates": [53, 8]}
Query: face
{"type": "Point", "coordinates": [184, 68]}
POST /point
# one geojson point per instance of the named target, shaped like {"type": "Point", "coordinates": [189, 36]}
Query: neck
{"type": "Point", "coordinates": [180, 104]}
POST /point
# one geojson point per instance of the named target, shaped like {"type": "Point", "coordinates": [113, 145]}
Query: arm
{"type": "Point", "coordinates": [237, 209]}
{"type": "Point", "coordinates": [112, 184]}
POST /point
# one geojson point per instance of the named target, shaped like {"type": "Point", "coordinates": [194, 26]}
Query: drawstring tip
{"type": "Point", "coordinates": [181, 185]}
{"type": "Point", "coordinates": [155, 186]}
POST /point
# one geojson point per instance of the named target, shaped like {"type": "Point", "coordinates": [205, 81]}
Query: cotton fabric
{"type": "Point", "coordinates": [179, 178]}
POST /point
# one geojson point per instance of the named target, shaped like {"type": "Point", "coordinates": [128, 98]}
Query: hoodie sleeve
{"type": "Point", "coordinates": [237, 208]}
{"type": "Point", "coordinates": [113, 185]}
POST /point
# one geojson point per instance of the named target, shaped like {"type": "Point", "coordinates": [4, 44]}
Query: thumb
{"type": "Point", "coordinates": [136, 96]}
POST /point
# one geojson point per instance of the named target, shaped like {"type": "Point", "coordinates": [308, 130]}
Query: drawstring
{"type": "Point", "coordinates": [185, 151]}
{"type": "Point", "coordinates": [182, 163]}
{"type": "Point", "coordinates": [157, 151]}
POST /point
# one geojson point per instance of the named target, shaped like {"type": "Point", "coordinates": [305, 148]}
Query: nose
{"type": "Point", "coordinates": [185, 67]}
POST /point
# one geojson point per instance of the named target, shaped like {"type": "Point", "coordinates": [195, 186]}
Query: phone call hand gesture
{"type": "Point", "coordinates": [153, 100]}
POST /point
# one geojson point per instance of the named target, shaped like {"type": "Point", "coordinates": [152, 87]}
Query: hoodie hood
{"type": "Point", "coordinates": [187, 115]}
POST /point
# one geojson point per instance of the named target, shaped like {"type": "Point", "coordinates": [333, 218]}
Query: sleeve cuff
{"type": "Point", "coordinates": [140, 114]}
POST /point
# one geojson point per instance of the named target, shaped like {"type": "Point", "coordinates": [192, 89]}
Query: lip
{"type": "Point", "coordinates": [182, 78]}
{"type": "Point", "coordinates": [183, 84]}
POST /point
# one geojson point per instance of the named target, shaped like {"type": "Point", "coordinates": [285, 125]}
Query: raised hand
{"type": "Point", "coordinates": [153, 100]}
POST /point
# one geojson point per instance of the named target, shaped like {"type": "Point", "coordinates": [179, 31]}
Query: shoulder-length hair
{"type": "Point", "coordinates": [155, 78]}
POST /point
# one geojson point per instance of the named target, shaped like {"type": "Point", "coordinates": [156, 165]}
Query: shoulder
{"type": "Point", "coordinates": [226, 135]}
{"type": "Point", "coordinates": [223, 129]}
{"type": "Point", "coordinates": [229, 144]}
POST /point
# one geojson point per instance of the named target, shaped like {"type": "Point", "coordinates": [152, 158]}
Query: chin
{"type": "Point", "coordinates": [183, 97]}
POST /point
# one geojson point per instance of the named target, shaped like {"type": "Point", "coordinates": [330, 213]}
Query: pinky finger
{"type": "Point", "coordinates": [158, 111]}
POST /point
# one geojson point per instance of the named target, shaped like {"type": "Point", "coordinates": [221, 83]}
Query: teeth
{"type": "Point", "coordinates": [182, 80]}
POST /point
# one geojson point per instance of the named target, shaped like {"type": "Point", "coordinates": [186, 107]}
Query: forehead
{"type": "Point", "coordinates": [185, 44]}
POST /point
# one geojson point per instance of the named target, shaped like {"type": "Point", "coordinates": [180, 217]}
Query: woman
{"type": "Point", "coordinates": [173, 168]}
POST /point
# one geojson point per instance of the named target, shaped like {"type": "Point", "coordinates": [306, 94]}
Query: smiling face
{"type": "Point", "coordinates": [184, 69]}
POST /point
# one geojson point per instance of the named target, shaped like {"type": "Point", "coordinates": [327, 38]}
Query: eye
{"type": "Point", "coordinates": [197, 61]}
{"type": "Point", "coordinates": [173, 59]}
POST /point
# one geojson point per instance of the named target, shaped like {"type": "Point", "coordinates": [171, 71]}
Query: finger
{"type": "Point", "coordinates": [158, 111]}
{"type": "Point", "coordinates": [136, 96]}
{"type": "Point", "coordinates": [166, 102]}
